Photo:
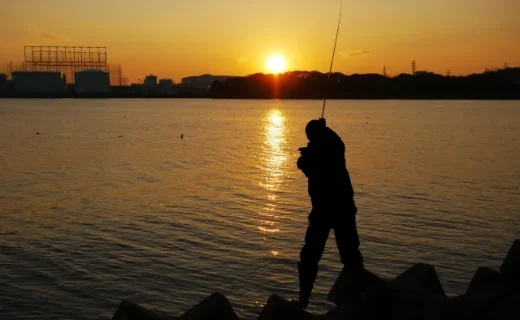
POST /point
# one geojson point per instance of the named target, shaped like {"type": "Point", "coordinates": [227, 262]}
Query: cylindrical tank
{"type": "Point", "coordinates": [92, 81]}
{"type": "Point", "coordinates": [150, 81]}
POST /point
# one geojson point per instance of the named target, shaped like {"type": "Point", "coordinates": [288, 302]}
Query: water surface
{"type": "Point", "coordinates": [108, 203]}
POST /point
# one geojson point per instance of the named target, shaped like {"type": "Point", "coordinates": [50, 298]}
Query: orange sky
{"type": "Point", "coordinates": [174, 38]}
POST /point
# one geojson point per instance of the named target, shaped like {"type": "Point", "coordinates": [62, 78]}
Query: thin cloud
{"type": "Point", "coordinates": [353, 54]}
{"type": "Point", "coordinates": [243, 60]}
{"type": "Point", "coordinates": [48, 36]}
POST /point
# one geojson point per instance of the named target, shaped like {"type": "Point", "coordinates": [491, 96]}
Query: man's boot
{"type": "Point", "coordinates": [307, 275]}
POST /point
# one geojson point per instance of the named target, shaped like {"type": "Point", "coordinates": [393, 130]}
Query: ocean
{"type": "Point", "coordinates": [101, 200]}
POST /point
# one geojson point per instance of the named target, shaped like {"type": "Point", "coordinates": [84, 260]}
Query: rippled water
{"type": "Point", "coordinates": [108, 203]}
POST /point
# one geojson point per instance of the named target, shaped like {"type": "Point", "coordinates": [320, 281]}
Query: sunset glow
{"type": "Point", "coordinates": [276, 64]}
{"type": "Point", "coordinates": [176, 39]}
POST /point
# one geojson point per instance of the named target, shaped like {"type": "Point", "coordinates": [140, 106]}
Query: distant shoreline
{"type": "Point", "coordinates": [73, 97]}
{"type": "Point", "coordinates": [500, 84]}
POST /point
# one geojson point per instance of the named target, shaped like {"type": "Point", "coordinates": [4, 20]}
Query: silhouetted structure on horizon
{"type": "Point", "coordinates": [498, 84]}
{"type": "Point", "coordinates": [492, 84]}
{"type": "Point", "coordinates": [4, 84]}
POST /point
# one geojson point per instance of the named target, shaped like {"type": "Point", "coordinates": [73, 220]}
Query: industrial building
{"type": "Point", "coordinates": [150, 81]}
{"type": "Point", "coordinates": [39, 82]}
{"type": "Point", "coordinates": [68, 61]}
{"type": "Point", "coordinates": [3, 83]}
{"type": "Point", "coordinates": [166, 86]}
{"type": "Point", "coordinates": [92, 81]}
{"type": "Point", "coordinates": [166, 82]}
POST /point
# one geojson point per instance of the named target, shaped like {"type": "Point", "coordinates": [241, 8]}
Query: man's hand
{"type": "Point", "coordinates": [300, 163]}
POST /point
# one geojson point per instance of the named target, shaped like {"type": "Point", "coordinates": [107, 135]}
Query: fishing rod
{"type": "Point", "coordinates": [332, 60]}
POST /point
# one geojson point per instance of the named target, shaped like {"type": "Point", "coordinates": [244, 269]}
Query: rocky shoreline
{"type": "Point", "coordinates": [415, 294]}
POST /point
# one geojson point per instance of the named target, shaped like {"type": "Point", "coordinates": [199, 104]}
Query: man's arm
{"type": "Point", "coordinates": [309, 161]}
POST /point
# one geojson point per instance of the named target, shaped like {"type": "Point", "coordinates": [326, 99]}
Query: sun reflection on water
{"type": "Point", "coordinates": [274, 160]}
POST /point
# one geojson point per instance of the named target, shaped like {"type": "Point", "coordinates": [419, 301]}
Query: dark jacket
{"type": "Point", "coordinates": [324, 164]}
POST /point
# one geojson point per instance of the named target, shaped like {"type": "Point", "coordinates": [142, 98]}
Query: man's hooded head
{"type": "Point", "coordinates": [315, 129]}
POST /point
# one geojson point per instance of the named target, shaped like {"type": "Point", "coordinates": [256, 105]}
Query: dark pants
{"type": "Point", "coordinates": [347, 240]}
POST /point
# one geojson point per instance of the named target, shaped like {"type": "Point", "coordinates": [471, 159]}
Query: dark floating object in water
{"type": "Point", "coordinates": [366, 122]}
{"type": "Point", "coordinates": [119, 136]}
{"type": "Point", "coordinates": [416, 293]}
{"type": "Point", "coordinates": [37, 133]}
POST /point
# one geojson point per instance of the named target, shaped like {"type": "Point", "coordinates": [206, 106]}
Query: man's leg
{"type": "Point", "coordinates": [347, 240]}
{"type": "Point", "coordinates": [310, 255]}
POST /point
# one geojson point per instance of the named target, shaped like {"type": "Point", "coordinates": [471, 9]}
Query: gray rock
{"type": "Point", "coordinates": [420, 276]}
{"type": "Point", "coordinates": [128, 310]}
{"type": "Point", "coordinates": [372, 284]}
{"type": "Point", "coordinates": [510, 269]}
{"type": "Point", "coordinates": [506, 309]}
{"type": "Point", "coordinates": [398, 299]}
{"type": "Point", "coordinates": [415, 294]}
{"type": "Point", "coordinates": [399, 303]}
{"type": "Point", "coordinates": [409, 303]}
{"type": "Point", "coordinates": [216, 307]}
{"type": "Point", "coordinates": [277, 308]}
{"type": "Point", "coordinates": [475, 305]}
{"type": "Point", "coordinates": [351, 309]}
{"type": "Point", "coordinates": [484, 279]}
{"type": "Point", "coordinates": [433, 307]}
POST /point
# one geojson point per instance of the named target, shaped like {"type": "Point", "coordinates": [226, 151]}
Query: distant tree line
{"type": "Point", "coordinates": [496, 84]}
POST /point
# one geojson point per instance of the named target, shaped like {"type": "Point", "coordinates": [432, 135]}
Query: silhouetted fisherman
{"type": "Point", "coordinates": [324, 164]}
{"type": "Point", "coordinates": [182, 135]}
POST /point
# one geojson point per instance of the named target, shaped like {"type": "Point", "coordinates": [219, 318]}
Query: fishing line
{"type": "Point", "coordinates": [332, 60]}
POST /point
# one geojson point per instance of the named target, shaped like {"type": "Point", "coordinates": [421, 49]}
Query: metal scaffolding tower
{"type": "Point", "coordinates": [64, 59]}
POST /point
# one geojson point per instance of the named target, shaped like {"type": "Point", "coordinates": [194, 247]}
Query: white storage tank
{"type": "Point", "coordinates": [39, 82]}
{"type": "Point", "coordinates": [92, 81]}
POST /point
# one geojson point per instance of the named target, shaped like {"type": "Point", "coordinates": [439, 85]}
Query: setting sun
{"type": "Point", "coordinates": [276, 64]}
